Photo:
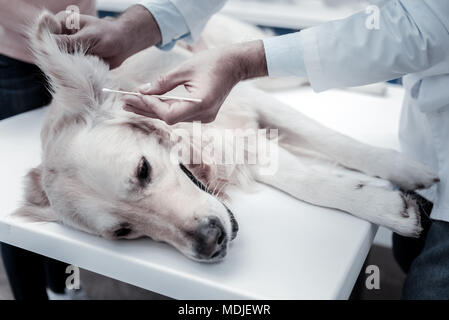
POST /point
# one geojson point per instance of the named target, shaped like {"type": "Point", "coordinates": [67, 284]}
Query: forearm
{"type": "Point", "coordinates": [139, 28]}
{"type": "Point", "coordinates": [248, 60]}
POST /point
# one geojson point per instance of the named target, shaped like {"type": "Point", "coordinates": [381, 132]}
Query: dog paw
{"type": "Point", "coordinates": [401, 215]}
{"type": "Point", "coordinates": [410, 212]}
{"type": "Point", "coordinates": [407, 174]}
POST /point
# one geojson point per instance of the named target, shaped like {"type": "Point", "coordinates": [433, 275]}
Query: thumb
{"type": "Point", "coordinates": [164, 83]}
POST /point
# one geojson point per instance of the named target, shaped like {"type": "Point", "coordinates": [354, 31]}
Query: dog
{"type": "Point", "coordinates": [111, 173]}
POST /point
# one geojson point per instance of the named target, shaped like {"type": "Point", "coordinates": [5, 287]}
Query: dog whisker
{"type": "Point", "coordinates": [222, 188]}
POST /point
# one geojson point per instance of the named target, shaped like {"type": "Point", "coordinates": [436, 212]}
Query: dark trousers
{"type": "Point", "coordinates": [23, 87]}
{"type": "Point", "coordinates": [29, 274]}
{"type": "Point", "coordinates": [425, 260]}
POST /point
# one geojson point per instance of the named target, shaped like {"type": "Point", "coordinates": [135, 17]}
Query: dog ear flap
{"type": "Point", "coordinates": [37, 214]}
{"type": "Point", "coordinates": [34, 193]}
{"type": "Point", "coordinates": [75, 78]}
{"type": "Point", "coordinates": [36, 207]}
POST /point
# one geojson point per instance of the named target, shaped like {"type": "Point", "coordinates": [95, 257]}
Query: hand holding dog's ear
{"type": "Point", "coordinates": [112, 39]}
{"type": "Point", "coordinates": [209, 76]}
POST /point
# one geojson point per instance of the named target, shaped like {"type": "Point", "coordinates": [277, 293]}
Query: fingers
{"type": "Point", "coordinates": [137, 105]}
{"type": "Point", "coordinates": [73, 34]}
{"type": "Point", "coordinates": [113, 62]}
{"type": "Point", "coordinates": [140, 112]}
{"type": "Point", "coordinates": [61, 17]}
{"type": "Point", "coordinates": [80, 41]}
{"type": "Point", "coordinates": [72, 22]}
{"type": "Point", "coordinates": [135, 102]}
{"type": "Point", "coordinates": [169, 111]}
{"type": "Point", "coordinates": [68, 42]}
{"type": "Point", "coordinates": [165, 83]}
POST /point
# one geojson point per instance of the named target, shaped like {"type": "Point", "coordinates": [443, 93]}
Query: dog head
{"type": "Point", "coordinates": [111, 173]}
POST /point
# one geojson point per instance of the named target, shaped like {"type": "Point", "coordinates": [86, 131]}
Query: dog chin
{"type": "Point", "coordinates": [220, 257]}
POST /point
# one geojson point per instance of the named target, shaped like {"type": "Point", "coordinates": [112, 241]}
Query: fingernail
{"type": "Point", "coordinates": [145, 87]}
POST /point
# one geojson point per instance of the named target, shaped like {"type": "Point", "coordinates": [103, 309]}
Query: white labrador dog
{"type": "Point", "coordinates": [112, 173]}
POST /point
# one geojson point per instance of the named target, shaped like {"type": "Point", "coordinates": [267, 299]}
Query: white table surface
{"type": "Point", "coordinates": [286, 249]}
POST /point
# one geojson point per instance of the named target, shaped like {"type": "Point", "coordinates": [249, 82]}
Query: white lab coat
{"type": "Point", "coordinates": [412, 41]}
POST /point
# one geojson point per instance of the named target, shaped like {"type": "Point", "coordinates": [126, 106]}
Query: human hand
{"type": "Point", "coordinates": [112, 39]}
{"type": "Point", "coordinates": [209, 76]}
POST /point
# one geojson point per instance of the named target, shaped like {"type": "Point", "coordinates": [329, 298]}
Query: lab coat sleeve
{"type": "Point", "coordinates": [284, 56]}
{"type": "Point", "coordinates": [411, 36]}
{"type": "Point", "coordinates": [170, 21]}
{"type": "Point", "coordinates": [181, 19]}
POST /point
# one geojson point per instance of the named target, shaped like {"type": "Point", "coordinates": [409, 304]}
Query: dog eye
{"type": "Point", "coordinates": [122, 232]}
{"type": "Point", "coordinates": [143, 171]}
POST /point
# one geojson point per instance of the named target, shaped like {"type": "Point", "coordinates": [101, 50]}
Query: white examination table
{"type": "Point", "coordinates": [286, 249]}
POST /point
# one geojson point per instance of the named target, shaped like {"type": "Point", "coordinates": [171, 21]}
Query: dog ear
{"type": "Point", "coordinates": [36, 213]}
{"type": "Point", "coordinates": [34, 193]}
{"type": "Point", "coordinates": [36, 207]}
{"type": "Point", "coordinates": [76, 79]}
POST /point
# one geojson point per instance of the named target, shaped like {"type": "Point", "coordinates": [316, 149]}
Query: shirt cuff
{"type": "Point", "coordinates": [284, 56]}
{"type": "Point", "coordinates": [312, 60]}
{"type": "Point", "coordinates": [196, 14]}
{"type": "Point", "coordinates": [171, 22]}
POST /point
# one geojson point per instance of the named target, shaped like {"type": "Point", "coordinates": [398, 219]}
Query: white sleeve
{"type": "Point", "coordinates": [409, 36]}
{"type": "Point", "coordinates": [181, 19]}
{"type": "Point", "coordinates": [284, 56]}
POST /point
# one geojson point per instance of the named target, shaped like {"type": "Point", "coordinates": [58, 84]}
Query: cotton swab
{"type": "Point", "coordinates": [162, 97]}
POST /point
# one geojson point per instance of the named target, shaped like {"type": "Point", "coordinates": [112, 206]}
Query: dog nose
{"type": "Point", "coordinates": [210, 239]}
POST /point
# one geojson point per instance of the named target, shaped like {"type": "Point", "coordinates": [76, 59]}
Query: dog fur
{"type": "Point", "coordinates": [91, 149]}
